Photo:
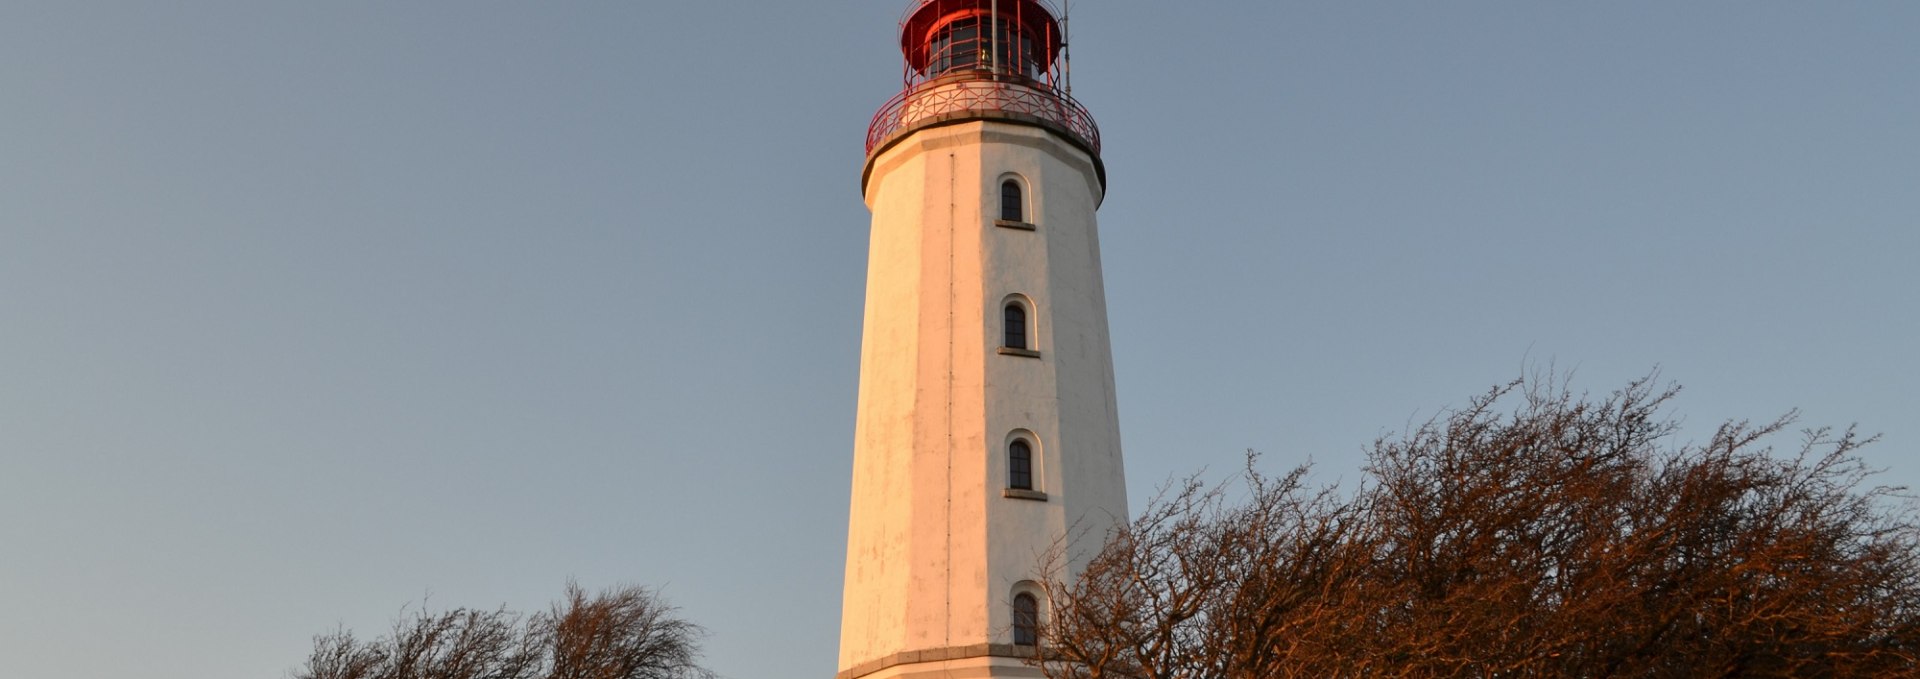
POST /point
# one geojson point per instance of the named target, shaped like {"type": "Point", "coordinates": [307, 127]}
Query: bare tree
{"type": "Point", "coordinates": [1564, 537]}
{"type": "Point", "coordinates": [620, 633]}
{"type": "Point", "coordinates": [625, 633]}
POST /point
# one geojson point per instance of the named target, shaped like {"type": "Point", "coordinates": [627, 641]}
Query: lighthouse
{"type": "Point", "coordinates": [987, 440]}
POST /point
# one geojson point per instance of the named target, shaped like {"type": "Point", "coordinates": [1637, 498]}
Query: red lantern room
{"type": "Point", "coordinates": [944, 37]}
{"type": "Point", "coordinates": [983, 60]}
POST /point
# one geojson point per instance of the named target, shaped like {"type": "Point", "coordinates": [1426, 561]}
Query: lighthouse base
{"type": "Point", "coordinates": [984, 661]}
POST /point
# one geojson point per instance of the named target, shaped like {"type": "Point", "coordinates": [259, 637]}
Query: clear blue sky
{"type": "Point", "coordinates": [309, 310]}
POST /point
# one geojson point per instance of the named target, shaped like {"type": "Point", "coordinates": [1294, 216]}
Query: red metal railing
{"type": "Point", "coordinates": [959, 99]}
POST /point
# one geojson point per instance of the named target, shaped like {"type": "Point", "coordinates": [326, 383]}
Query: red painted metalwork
{"type": "Point", "coordinates": [982, 59]}
{"type": "Point", "coordinates": [1028, 16]}
{"type": "Point", "coordinates": [968, 98]}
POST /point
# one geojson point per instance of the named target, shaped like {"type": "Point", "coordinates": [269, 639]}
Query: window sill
{"type": "Point", "coordinates": [1010, 351]}
{"type": "Point", "coordinates": [1018, 494]}
{"type": "Point", "coordinates": [1010, 224]}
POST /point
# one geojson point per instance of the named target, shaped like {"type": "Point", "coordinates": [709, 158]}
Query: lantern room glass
{"type": "Point", "coordinates": [961, 45]}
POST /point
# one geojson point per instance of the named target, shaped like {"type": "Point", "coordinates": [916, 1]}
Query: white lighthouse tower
{"type": "Point", "coordinates": [987, 436]}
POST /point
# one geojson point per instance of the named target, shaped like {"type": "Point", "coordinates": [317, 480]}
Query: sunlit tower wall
{"type": "Point", "coordinates": [987, 443]}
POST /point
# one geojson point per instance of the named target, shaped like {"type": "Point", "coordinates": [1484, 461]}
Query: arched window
{"type": "Point", "coordinates": [1011, 206]}
{"type": "Point", "coordinates": [1016, 326]}
{"type": "Point", "coordinates": [1020, 465]}
{"type": "Point", "coordinates": [1026, 619]}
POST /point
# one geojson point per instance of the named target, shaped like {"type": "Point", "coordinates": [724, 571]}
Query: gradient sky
{"type": "Point", "coordinates": [310, 310]}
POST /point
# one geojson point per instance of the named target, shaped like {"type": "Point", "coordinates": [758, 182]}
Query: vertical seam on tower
{"type": "Point", "coordinates": [953, 240]}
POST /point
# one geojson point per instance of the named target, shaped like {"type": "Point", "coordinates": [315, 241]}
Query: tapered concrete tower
{"type": "Point", "coordinates": [987, 437]}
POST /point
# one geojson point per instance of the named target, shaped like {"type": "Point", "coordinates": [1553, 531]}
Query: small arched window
{"type": "Point", "coordinates": [1016, 326]}
{"type": "Point", "coordinates": [1026, 619]}
{"type": "Point", "coordinates": [1011, 206]}
{"type": "Point", "coordinates": [1020, 465]}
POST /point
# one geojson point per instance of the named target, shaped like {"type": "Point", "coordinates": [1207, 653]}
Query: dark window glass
{"type": "Point", "coordinates": [1010, 203]}
{"type": "Point", "coordinates": [1026, 619]}
{"type": "Point", "coordinates": [1016, 325]}
{"type": "Point", "coordinates": [954, 47]}
{"type": "Point", "coordinates": [964, 44]}
{"type": "Point", "coordinates": [1019, 465]}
